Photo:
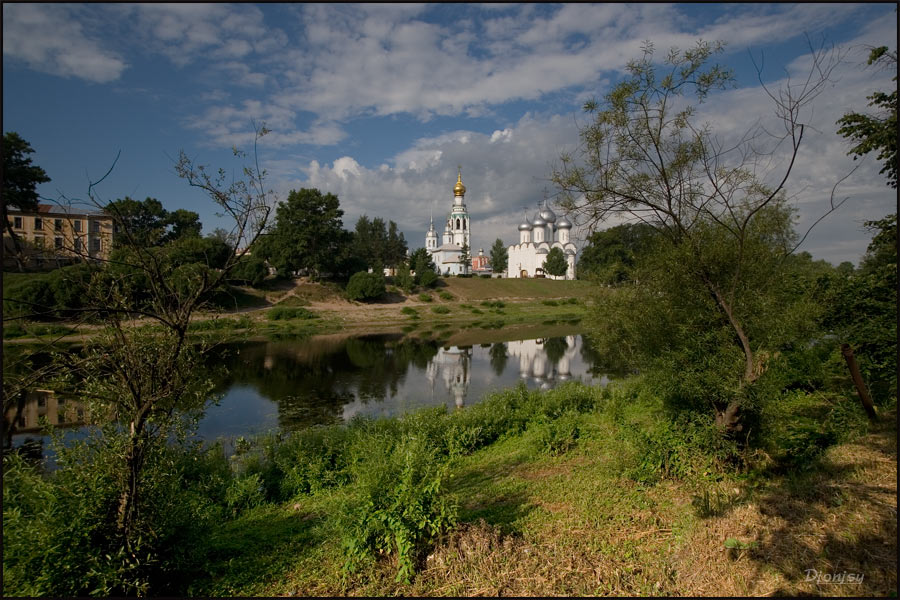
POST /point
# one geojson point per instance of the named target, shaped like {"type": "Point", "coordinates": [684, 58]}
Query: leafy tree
{"type": "Point", "coordinates": [862, 309]}
{"type": "Point", "coordinates": [20, 180]}
{"type": "Point", "coordinates": [395, 250]}
{"type": "Point", "coordinates": [366, 286]}
{"type": "Point", "coordinates": [878, 132]}
{"type": "Point", "coordinates": [378, 245]}
{"type": "Point", "coordinates": [465, 259]}
{"type": "Point", "coordinates": [555, 264]}
{"type": "Point", "coordinates": [725, 229]}
{"type": "Point", "coordinates": [307, 233]}
{"type": "Point", "coordinates": [421, 261]}
{"type": "Point", "coordinates": [404, 279]}
{"type": "Point", "coordinates": [609, 256]}
{"type": "Point", "coordinates": [147, 223]}
{"type": "Point", "coordinates": [499, 257]}
{"type": "Point", "coordinates": [250, 270]}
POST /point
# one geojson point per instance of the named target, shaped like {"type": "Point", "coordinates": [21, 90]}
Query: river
{"type": "Point", "coordinates": [292, 384]}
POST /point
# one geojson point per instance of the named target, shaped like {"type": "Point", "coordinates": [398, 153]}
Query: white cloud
{"type": "Point", "coordinates": [49, 38]}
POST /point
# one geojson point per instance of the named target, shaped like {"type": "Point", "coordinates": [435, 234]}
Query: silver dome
{"type": "Point", "coordinates": [563, 223]}
{"type": "Point", "coordinates": [526, 226]}
{"type": "Point", "coordinates": [547, 214]}
{"type": "Point", "coordinates": [539, 221]}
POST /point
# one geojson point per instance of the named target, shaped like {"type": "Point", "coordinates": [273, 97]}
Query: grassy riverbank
{"type": "Point", "coordinates": [565, 502]}
{"type": "Point", "coordinates": [577, 490]}
{"type": "Point", "coordinates": [301, 309]}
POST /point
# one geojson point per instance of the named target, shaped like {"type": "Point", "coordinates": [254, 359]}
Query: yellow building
{"type": "Point", "coordinates": [56, 235]}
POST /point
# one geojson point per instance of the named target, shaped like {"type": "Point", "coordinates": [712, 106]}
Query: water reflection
{"type": "Point", "coordinates": [291, 385]}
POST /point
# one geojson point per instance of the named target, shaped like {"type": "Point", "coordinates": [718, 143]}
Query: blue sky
{"type": "Point", "coordinates": [380, 103]}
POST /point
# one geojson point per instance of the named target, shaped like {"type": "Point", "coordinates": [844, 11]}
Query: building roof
{"type": "Point", "coordinates": [50, 209]}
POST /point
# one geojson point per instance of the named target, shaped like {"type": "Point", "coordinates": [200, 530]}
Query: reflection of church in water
{"type": "Point", "coordinates": [536, 363]}
{"type": "Point", "coordinates": [452, 366]}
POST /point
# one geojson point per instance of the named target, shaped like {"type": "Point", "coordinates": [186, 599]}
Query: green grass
{"type": "Point", "coordinates": [440, 310]}
{"type": "Point", "coordinates": [425, 298]}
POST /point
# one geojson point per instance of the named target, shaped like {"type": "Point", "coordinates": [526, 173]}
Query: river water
{"type": "Point", "coordinates": [293, 384]}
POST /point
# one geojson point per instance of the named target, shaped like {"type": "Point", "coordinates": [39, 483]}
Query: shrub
{"type": "Point", "coordinates": [249, 270]}
{"type": "Point", "coordinates": [428, 278]}
{"type": "Point", "coordinates": [440, 310]}
{"type": "Point", "coordinates": [30, 297]}
{"type": "Point", "coordinates": [281, 313]}
{"type": "Point", "coordinates": [445, 295]}
{"type": "Point", "coordinates": [485, 276]}
{"type": "Point", "coordinates": [365, 286]}
{"type": "Point", "coordinates": [550, 302]}
{"type": "Point", "coordinates": [477, 311]}
{"type": "Point", "coordinates": [400, 505]}
{"type": "Point", "coordinates": [244, 493]}
{"type": "Point", "coordinates": [425, 298]}
{"type": "Point", "coordinates": [404, 279]}
{"type": "Point", "coordinates": [570, 301]}
{"type": "Point", "coordinates": [558, 435]}
{"type": "Point", "coordinates": [493, 304]}
{"type": "Point", "coordinates": [409, 310]}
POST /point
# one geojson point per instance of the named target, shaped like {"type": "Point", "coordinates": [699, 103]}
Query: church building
{"type": "Point", "coordinates": [536, 239]}
{"type": "Point", "coordinates": [446, 255]}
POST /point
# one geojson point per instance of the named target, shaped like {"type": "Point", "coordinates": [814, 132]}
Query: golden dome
{"type": "Point", "coordinates": [459, 189]}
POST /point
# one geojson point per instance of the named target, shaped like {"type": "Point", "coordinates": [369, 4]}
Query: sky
{"type": "Point", "coordinates": [379, 104]}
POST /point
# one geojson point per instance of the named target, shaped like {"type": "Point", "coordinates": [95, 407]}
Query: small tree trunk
{"type": "Point", "coordinates": [861, 389]}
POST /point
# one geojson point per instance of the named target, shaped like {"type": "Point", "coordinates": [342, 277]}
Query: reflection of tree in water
{"type": "Point", "coordinates": [598, 364]}
{"type": "Point", "coordinates": [312, 388]}
{"type": "Point", "coordinates": [555, 348]}
{"type": "Point", "coordinates": [498, 358]}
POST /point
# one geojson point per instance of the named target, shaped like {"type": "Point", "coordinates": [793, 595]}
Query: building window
{"type": "Point", "coordinates": [38, 223]}
{"type": "Point", "coordinates": [57, 243]}
{"type": "Point", "coordinates": [57, 224]}
{"type": "Point", "coordinates": [17, 222]}
{"type": "Point", "coordinates": [95, 226]}
{"type": "Point", "coordinates": [95, 245]}
{"type": "Point", "coordinates": [76, 224]}
{"type": "Point", "coordinates": [79, 246]}
{"type": "Point", "coordinates": [39, 241]}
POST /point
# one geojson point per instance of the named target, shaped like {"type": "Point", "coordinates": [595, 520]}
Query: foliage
{"type": "Point", "coordinates": [445, 295]}
{"type": "Point", "coordinates": [499, 257]}
{"type": "Point", "coordinates": [404, 278]}
{"type": "Point", "coordinates": [878, 132]}
{"type": "Point", "coordinates": [726, 229]}
{"type": "Point", "coordinates": [427, 278]}
{"type": "Point", "coordinates": [409, 310]}
{"type": "Point", "coordinates": [377, 245]}
{"type": "Point", "coordinates": [862, 309]}
{"type": "Point", "coordinates": [365, 286]}
{"type": "Point", "coordinates": [425, 298]}
{"type": "Point", "coordinates": [555, 264]}
{"type": "Point", "coordinates": [250, 270]}
{"type": "Point", "coordinates": [20, 181]}
{"type": "Point", "coordinates": [307, 233]}
{"type": "Point", "coordinates": [20, 176]}
{"type": "Point", "coordinates": [281, 313]}
{"type": "Point", "coordinates": [609, 256]}
{"type": "Point", "coordinates": [440, 310]}
{"type": "Point", "coordinates": [401, 504]}
{"type": "Point", "coordinates": [147, 223]}
{"type": "Point", "coordinates": [465, 258]}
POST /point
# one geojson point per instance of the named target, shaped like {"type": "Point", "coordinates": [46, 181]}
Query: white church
{"type": "Point", "coordinates": [536, 239]}
{"type": "Point", "coordinates": [456, 234]}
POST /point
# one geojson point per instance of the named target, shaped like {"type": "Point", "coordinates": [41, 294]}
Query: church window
{"type": "Point", "coordinates": [464, 224]}
{"type": "Point", "coordinates": [457, 223]}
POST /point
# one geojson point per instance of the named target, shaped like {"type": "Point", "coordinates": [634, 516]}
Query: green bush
{"type": "Point", "coordinates": [33, 297]}
{"type": "Point", "coordinates": [365, 286]}
{"type": "Point", "coordinates": [550, 302]}
{"type": "Point", "coordinates": [409, 310]}
{"type": "Point", "coordinates": [280, 313]}
{"type": "Point", "coordinates": [477, 311]}
{"type": "Point", "coordinates": [425, 298]}
{"type": "Point", "coordinates": [400, 503]}
{"type": "Point", "coordinates": [485, 276]}
{"type": "Point", "coordinates": [559, 435]}
{"type": "Point", "coordinates": [249, 270]}
{"type": "Point", "coordinates": [428, 278]}
{"type": "Point", "coordinates": [445, 295]}
{"type": "Point", "coordinates": [571, 301]}
{"type": "Point", "coordinates": [404, 279]}
{"type": "Point", "coordinates": [493, 304]}
{"type": "Point", "coordinates": [440, 310]}
{"type": "Point", "coordinates": [245, 493]}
